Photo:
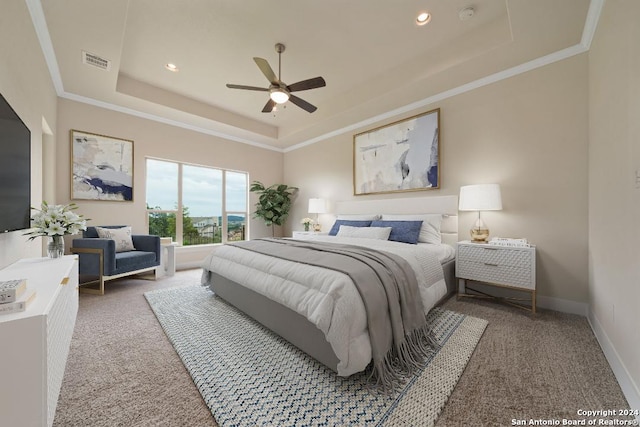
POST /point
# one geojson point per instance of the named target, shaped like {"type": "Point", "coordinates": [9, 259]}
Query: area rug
{"type": "Point", "coordinates": [249, 376]}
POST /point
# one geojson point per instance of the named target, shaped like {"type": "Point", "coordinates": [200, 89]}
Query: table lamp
{"type": "Point", "coordinates": [317, 206]}
{"type": "Point", "coordinates": [481, 197]}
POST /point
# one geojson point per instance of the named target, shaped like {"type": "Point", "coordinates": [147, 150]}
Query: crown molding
{"type": "Point", "coordinates": [591, 23]}
{"type": "Point", "coordinates": [42, 32]}
{"type": "Point", "coordinates": [155, 118]}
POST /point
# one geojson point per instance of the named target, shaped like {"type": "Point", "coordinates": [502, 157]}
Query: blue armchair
{"type": "Point", "coordinates": [99, 260]}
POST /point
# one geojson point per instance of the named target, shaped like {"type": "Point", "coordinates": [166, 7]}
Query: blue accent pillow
{"type": "Point", "coordinates": [401, 231]}
{"type": "Point", "coordinates": [339, 222]}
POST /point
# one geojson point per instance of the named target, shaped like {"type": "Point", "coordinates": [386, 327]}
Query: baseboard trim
{"type": "Point", "coordinates": [189, 265]}
{"type": "Point", "coordinates": [629, 388]}
{"type": "Point", "coordinates": [563, 305]}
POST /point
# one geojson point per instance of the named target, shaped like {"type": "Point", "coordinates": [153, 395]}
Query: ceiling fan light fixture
{"type": "Point", "coordinates": [279, 96]}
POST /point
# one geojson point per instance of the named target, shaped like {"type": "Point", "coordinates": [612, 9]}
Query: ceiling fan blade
{"type": "Point", "coordinates": [268, 107]}
{"type": "Point", "coordinates": [266, 70]}
{"type": "Point", "coordinates": [307, 84]}
{"type": "Point", "coordinates": [261, 89]}
{"type": "Point", "coordinates": [302, 104]}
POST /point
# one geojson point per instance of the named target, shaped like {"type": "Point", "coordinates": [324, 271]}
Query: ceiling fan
{"type": "Point", "coordinates": [279, 92]}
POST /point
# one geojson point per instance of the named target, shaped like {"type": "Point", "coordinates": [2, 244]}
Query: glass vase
{"type": "Point", "coordinates": [55, 248]}
{"type": "Point", "coordinates": [306, 226]}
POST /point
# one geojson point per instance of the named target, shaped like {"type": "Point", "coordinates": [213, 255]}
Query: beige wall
{"type": "Point", "coordinates": [614, 194]}
{"type": "Point", "coordinates": [26, 85]}
{"type": "Point", "coordinates": [154, 139]}
{"type": "Point", "coordinates": [529, 134]}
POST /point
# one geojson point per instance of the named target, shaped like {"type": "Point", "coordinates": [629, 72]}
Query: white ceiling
{"type": "Point", "coordinates": [375, 59]}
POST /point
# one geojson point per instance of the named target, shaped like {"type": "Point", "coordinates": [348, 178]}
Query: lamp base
{"type": "Point", "coordinates": [479, 235]}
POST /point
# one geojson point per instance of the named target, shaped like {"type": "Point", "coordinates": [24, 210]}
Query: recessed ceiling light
{"type": "Point", "coordinates": [423, 18]}
{"type": "Point", "coordinates": [172, 67]}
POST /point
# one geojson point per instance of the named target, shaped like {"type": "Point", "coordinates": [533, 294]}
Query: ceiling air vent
{"type": "Point", "coordinates": [95, 61]}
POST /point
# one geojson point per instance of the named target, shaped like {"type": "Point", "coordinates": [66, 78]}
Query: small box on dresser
{"type": "Point", "coordinates": [503, 266]}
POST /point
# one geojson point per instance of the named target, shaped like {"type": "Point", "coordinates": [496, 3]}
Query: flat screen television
{"type": "Point", "coordinates": [15, 170]}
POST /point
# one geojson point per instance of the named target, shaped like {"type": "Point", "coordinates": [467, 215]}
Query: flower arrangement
{"type": "Point", "coordinates": [56, 220]}
{"type": "Point", "coordinates": [307, 223]}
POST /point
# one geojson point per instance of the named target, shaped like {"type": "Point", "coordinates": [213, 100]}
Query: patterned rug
{"type": "Point", "coordinates": [249, 376]}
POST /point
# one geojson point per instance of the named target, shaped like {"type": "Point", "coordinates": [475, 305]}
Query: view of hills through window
{"type": "Point", "coordinates": [213, 203]}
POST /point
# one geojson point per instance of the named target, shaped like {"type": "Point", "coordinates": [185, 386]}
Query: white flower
{"type": "Point", "coordinates": [306, 221]}
{"type": "Point", "coordinates": [74, 229]}
{"type": "Point", "coordinates": [56, 220]}
{"type": "Point", "coordinates": [55, 228]}
{"type": "Point", "coordinates": [70, 216]}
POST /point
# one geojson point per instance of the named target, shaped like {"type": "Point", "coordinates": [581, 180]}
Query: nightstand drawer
{"type": "Point", "coordinates": [495, 256]}
{"type": "Point", "coordinates": [494, 273]}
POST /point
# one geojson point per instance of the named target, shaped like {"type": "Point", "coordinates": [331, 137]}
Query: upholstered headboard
{"type": "Point", "coordinates": [445, 205]}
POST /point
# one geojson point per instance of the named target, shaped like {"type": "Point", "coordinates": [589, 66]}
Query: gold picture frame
{"type": "Point", "coordinates": [101, 167]}
{"type": "Point", "coordinates": [398, 157]}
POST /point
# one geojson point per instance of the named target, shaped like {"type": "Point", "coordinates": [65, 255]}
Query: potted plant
{"type": "Point", "coordinates": [274, 203]}
{"type": "Point", "coordinates": [307, 222]}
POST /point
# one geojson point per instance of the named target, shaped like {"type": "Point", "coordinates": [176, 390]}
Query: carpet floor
{"type": "Point", "coordinates": [123, 371]}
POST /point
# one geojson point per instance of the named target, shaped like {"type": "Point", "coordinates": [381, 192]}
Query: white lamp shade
{"type": "Point", "coordinates": [317, 206]}
{"type": "Point", "coordinates": [482, 197]}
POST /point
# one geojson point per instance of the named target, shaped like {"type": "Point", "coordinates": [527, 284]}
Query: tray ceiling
{"type": "Point", "coordinates": [373, 56]}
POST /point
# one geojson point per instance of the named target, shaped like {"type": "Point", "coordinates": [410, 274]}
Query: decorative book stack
{"type": "Point", "coordinates": [14, 296]}
{"type": "Point", "coordinates": [510, 242]}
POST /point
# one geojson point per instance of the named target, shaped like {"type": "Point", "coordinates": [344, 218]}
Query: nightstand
{"type": "Point", "coordinates": [502, 266]}
{"type": "Point", "coordinates": [307, 234]}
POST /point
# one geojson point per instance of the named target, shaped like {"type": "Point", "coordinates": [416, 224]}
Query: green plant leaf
{"type": "Point", "coordinates": [274, 202]}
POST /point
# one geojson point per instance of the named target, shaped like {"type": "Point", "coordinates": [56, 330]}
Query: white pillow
{"type": "Point", "coordinates": [378, 233]}
{"type": "Point", "coordinates": [357, 217]}
{"type": "Point", "coordinates": [430, 230]}
{"type": "Point", "coordinates": [122, 237]}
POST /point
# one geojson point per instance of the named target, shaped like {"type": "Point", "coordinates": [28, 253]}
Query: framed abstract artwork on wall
{"type": "Point", "coordinates": [401, 156]}
{"type": "Point", "coordinates": [102, 167]}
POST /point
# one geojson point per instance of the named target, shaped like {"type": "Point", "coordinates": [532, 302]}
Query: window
{"type": "Point", "coordinates": [213, 203]}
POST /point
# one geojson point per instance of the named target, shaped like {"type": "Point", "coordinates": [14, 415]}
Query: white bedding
{"type": "Point", "coordinates": [328, 298]}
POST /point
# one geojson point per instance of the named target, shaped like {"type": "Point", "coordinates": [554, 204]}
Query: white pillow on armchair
{"type": "Point", "coordinates": [122, 237]}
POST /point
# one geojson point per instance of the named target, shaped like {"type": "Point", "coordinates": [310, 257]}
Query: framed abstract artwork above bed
{"type": "Point", "coordinates": [401, 156]}
{"type": "Point", "coordinates": [102, 167]}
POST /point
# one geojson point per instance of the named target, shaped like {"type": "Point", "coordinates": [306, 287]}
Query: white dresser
{"type": "Point", "coordinates": [34, 344]}
{"type": "Point", "coordinates": [509, 267]}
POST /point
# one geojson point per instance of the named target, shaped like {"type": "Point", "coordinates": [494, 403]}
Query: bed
{"type": "Point", "coordinates": [319, 310]}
